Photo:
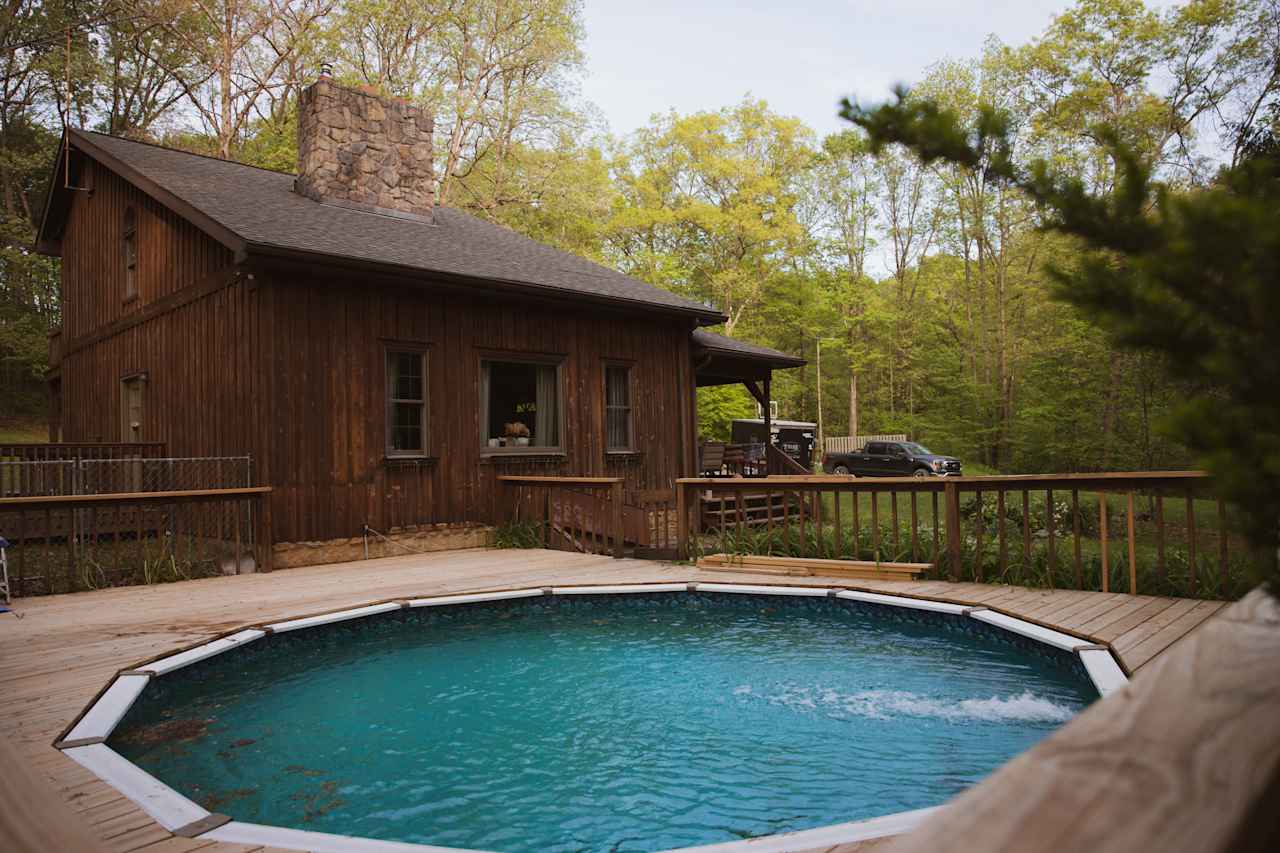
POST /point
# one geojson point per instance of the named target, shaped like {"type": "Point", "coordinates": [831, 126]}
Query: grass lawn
{"type": "Point", "coordinates": [22, 432]}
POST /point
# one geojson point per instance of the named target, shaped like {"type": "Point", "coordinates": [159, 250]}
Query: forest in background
{"type": "Point", "coordinates": [921, 288]}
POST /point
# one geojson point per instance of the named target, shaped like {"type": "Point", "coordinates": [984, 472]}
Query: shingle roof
{"type": "Point", "coordinates": [742, 349]}
{"type": "Point", "coordinates": [261, 209]}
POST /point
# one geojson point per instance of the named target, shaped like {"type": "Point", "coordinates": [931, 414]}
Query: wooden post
{"type": "Point", "coordinates": [1102, 540]}
{"type": "Point", "coordinates": [616, 496]}
{"type": "Point", "coordinates": [1223, 574]}
{"type": "Point", "coordinates": [1075, 537]}
{"type": "Point", "coordinates": [682, 520]}
{"type": "Point", "coordinates": [1133, 558]}
{"type": "Point", "coordinates": [1000, 525]}
{"type": "Point", "coordinates": [1049, 523]}
{"type": "Point", "coordinates": [951, 494]}
{"type": "Point", "coordinates": [1191, 545]}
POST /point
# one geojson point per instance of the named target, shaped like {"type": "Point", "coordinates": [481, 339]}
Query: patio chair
{"type": "Point", "coordinates": [711, 463]}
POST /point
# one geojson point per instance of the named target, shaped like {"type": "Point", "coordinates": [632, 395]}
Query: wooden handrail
{"type": "Point", "coordinates": [559, 481]}
{"type": "Point", "coordinates": [53, 501]}
{"type": "Point", "coordinates": [1117, 479]}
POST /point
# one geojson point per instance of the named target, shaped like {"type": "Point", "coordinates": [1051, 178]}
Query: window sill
{"type": "Point", "coordinates": [623, 455]}
{"type": "Point", "coordinates": [409, 461]}
{"type": "Point", "coordinates": [515, 454]}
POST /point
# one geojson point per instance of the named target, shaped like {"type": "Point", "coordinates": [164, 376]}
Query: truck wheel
{"type": "Point", "coordinates": [842, 470]}
{"type": "Point", "coordinates": [920, 472]}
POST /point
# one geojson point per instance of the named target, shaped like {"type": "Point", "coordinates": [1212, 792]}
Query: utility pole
{"type": "Point", "coordinates": [821, 447]}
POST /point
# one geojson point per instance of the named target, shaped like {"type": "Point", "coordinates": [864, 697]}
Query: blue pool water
{"type": "Point", "coordinates": [631, 722]}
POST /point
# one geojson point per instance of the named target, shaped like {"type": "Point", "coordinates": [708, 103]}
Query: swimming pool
{"type": "Point", "coordinates": [642, 721]}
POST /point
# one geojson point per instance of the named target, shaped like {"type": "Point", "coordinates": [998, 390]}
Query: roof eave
{"type": "Point", "coordinates": [703, 317]}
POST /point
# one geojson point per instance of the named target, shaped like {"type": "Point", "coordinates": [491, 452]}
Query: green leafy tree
{"type": "Point", "coordinates": [1190, 275]}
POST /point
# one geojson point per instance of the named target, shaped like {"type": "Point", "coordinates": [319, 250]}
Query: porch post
{"type": "Point", "coordinates": [768, 415]}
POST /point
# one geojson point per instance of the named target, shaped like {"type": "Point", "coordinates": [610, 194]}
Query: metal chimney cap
{"type": "Point", "coordinates": [326, 69]}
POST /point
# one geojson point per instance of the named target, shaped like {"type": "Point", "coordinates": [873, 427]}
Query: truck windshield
{"type": "Point", "coordinates": [916, 449]}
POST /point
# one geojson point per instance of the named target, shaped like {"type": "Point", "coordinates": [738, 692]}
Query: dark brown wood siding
{"type": "Point", "coordinates": [172, 254]}
{"type": "Point", "coordinates": [326, 409]}
{"type": "Point", "coordinates": [287, 366]}
{"type": "Point", "coordinates": [189, 330]}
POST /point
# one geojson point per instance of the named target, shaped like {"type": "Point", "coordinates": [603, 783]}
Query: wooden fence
{"type": "Point", "coordinates": [68, 543]}
{"type": "Point", "coordinates": [1051, 530]}
{"type": "Point", "coordinates": [850, 443]}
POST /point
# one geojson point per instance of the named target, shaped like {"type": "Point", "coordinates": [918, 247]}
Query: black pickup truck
{"type": "Point", "coordinates": [891, 459]}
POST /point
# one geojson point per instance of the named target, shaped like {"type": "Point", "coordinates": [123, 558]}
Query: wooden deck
{"type": "Point", "coordinates": [58, 651]}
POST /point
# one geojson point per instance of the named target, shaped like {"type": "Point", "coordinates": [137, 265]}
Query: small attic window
{"type": "Point", "coordinates": [130, 254]}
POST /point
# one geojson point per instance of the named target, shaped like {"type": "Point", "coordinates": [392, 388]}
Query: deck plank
{"type": "Point", "coordinates": [64, 648]}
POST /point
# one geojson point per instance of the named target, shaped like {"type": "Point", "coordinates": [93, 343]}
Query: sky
{"type": "Point", "coordinates": [651, 56]}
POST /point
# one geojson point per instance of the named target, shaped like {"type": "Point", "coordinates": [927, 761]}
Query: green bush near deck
{"type": "Point", "coordinates": [518, 534]}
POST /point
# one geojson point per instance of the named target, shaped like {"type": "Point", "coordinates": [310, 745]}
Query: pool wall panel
{"type": "Point", "coordinates": [1106, 674]}
{"type": "Point", "coordinates": [439, 600]}
{"type": "Point", "coordinates": [1047, 636]}
{"type": "Point", "coordinates": [169, 808]}
{"type": "Point", "coordinates": [619, 589]}
{"type": "Point", "coordinates": [200, 653]}
{"type": "Point", "coordinates": [257, 834]}
{"type": "Point", "coordinates": [328, 618]}
{"type": "Point", "coordinates": [748, 589]}
{"type": "Point", "coordinates": [110, 708]}
{"type": "Point", "coordinates": [899, 601]}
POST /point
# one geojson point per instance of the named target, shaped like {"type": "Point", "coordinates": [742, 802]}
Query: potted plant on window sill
{"type": "Point", "coordinates": [517, 434]}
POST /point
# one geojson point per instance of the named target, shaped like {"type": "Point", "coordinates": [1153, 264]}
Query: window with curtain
{"type": "Point", "coordinates": [520, 405]}
{"type": "Point", "coordinates": [130, 253]}
{"type": "Point", "coordinates": [406, 403]}
{"type": "Point", "coordinates": [617, 408]}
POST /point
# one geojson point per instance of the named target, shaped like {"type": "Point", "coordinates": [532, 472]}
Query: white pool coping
{"type": "Point", "coordinates": [84, 742]}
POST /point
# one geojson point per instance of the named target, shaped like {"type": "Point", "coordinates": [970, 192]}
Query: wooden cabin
{"type": "Point", "coordinates": [380, 357]}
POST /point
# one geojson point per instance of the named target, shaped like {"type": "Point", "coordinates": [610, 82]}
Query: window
{"type": "Point", "coordinates": [406, 402]}
{"type": "Point", "coordinates": [130, 254]}
{"type": "Point", "coordinates": [520, 405]}
{"type": "Point", "coordinates": [132, 389]}
{"type": "Point", "coordinates": [617, 408]}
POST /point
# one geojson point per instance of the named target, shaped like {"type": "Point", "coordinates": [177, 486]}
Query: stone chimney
{"type": "Point", "coordinates": [359, 150]}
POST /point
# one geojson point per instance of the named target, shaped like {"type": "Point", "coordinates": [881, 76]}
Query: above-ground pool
{"type": "Point", "coordinates": [600, 722]}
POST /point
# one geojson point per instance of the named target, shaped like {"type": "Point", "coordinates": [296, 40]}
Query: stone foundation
{"type": "Point", "coordinates": [403, 542]}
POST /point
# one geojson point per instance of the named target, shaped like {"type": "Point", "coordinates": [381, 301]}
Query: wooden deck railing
{"type": "Point", "coordinates": [69, 543]}
{"type": "Point", "coordinates": [1050, 530]}
{"type": "Point", "coordinates": [585, 513]}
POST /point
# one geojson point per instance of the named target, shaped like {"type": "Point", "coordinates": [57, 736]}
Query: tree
{"type": "Point", "coordinates": [707, 204]}
{"type": "Point", "coordinates": [1190, 275]}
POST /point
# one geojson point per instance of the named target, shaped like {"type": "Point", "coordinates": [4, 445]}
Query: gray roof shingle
{"type": "Point", "coordinates": [261, 208]}
{"type": "Point", "coordinates": [742, 349]}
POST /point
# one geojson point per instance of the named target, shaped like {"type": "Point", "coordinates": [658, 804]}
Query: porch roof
{"type": "Point", "coordinates": [723, 360]}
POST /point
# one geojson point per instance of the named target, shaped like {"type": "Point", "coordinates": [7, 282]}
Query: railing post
{"type": "Point", "coordinates": [266, 544]}
{"type": "Point", "coordinates": [682, 520]}
{"type": "Point", "coordinates": [615, 494]}
{"type": "Point", "coordinates": [951, 494]}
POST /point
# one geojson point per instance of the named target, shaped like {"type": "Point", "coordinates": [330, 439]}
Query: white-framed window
{"type": "Point", "coordinates": [406, 401]}
{"type": "Point", "coordinates": [520, 404]}
{"type": "Point", "coordinates": [617, 408]}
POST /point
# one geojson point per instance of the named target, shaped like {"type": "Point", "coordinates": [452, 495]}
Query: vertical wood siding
{"type": "Point", "coordinates": [326, 415]}
{"type": "Point", "coordinates": [289, 368]}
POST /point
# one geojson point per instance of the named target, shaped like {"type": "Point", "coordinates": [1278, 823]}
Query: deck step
{"type": "Point", "coordinates": [805, 567]}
